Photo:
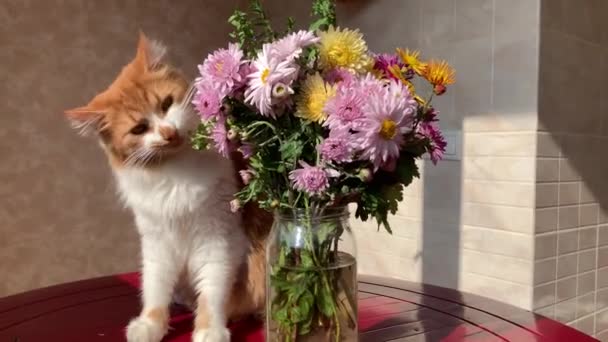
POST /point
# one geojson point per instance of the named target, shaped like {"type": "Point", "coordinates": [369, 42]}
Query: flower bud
{"type": "Point", "coordinates": [232, 134]}
{"type": "Point", "coordinates": [235, 205]}
{"type": "Point", "coordinates": [226, 108]}
{"type": "Point", "coordinates": [246, 176]}
{"type": "Point", "coordinates": [280, 90]}
{"type": "Point", "coordinates": [366, 175]}
{"type": "Point", "coordinates": [439, 89]}
{"type": "Point", "coordinates": [275, 203]}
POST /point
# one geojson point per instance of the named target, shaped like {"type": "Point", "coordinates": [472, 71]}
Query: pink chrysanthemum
{"type": "Point", "coordinates": [339, 75]}
{"type": "Point", "coordinates": [290, 47]}
{"type": "Point", "coordinates": [369, 85]}
{"type": "Point", "coordinates": [208, 99]}
{"type": "Point", "coordinates": [388, 118]}
{"type": "Point", "coordinates": [338, 148]}
{"type": "Point", "coordinates": [219, 135]}
{"type": "Point", "coordinates": [313, 180]}
{"type": "Point", "coordinates": [436, 141]}
{"type": "Point", "coordinates": [385, 62]}
{"type": "Point", "coordinates": [222, 67]}
{"type": "Point", "coordinates": [345, 110]}
{"type": "Point", "coordinates": [268, 72]}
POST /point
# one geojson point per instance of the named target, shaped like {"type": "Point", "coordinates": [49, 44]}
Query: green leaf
{"type": "Point", "coordinates": [406, 170]}
{"type": "Point", "coordinates": [317, 24]}
{"type": "Point", "coordinates": [325, 302]}
{"type": "Point", "coordinates": [306, 259]}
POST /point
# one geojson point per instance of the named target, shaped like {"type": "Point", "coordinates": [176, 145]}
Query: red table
{"type": "Point", "coordinates": [99, 309]}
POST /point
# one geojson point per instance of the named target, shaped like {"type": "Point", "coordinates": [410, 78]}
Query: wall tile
{"type": "Point", "coordinates": [587, 260]}
{"type": "Point", "coordinates": [602, 235]}
{"type": "Point", "coordinates": [547, 146]}
{"type": "Point", "coordinates": [513, 270]}
{"type": "Point", "coordinates": [499, 193]}
{"type": "Point", "coordinates": [586, 283]}
{"type": "Point", "coordinates": [569, 193]}
{"type": "Point", "coordinates": [567, 242]}
{"type": "Point", "coordinates": [567, 172]}
{"type": "Point", "coordinates": [520, 246]}
{"type": "Point", "coordinates": [546, 220]}
{"type": "Point", "coordinates": [568, 217]}
{"type": "Point", "coordinates": [498, 217]}
{"type": "Point", "coordinates": [587, 238]}
{"type": "Point", "coordinates": [545, 270]}
{"type": "Point", "coordinates": [586, 325]}
{"type": "Point", "coordinates": [565, 312]}
{"type": "Point", "coordinates": [566, 289]}
{"type": "Point", "coordinates": [548, 311]}
{"type": "Point", "coordinates": [544, 295]}
{"type": "Point", "coordinates": [602, 278]}
{"type": "Point", "coordinates": [547, 194]}
{"type": "Point", "coordinates": [517, 294]}
{"type": "Point", "coordinates": [501, 144]}
{"type": "Point", "coordinates": [601, 321]}
{"type": "Point", "coordinates": [499, 169]}
{"type": "Point", "coordinates": [602, 257]}
{"type": "Point", "coordinates": [589, 214]}
{"type": "Point", "coordinates": [587, 196]}
{"type": "Point", "coordinates": [601, 300]}
{"type": "Point", "coordinates": [545, 246]}
{"type": "Point", "coordinates": [585, 305]}
{"type": "Point", "coordinates": [567, 265]}
{"type": "Point", "coordinates": [515, 56]}
{"type": "Point", "coordinates": [547, 170]}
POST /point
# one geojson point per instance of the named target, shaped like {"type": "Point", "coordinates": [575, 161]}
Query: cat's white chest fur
{"type": "Point", "coordinates": [183, 216]}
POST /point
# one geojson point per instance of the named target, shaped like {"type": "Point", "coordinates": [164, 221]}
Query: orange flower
{"type": "Point", "coordinates": [440, 74]}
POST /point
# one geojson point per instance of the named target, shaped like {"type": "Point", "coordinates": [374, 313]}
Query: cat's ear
{"type": "Point", "coordinates": [85, 119]}
{"type": "Point", "coordinates": [150, 53]}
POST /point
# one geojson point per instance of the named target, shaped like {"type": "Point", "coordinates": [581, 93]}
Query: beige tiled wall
{"type": "Point", "coordinates": [571, 189]}
{"type": "Point", "coordinates": [465, 217]}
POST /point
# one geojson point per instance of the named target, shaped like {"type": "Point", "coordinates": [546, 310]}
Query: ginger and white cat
{"type": "Point", "coordinates": [180, 199]}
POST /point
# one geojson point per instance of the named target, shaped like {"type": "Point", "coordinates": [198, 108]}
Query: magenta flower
{"type": "Point", "coordinates": [436, 141]}
{"type": "Point", "coordinates": [389, 115]}
{"type": "Point", "coordinates": [208, 99]}
{"type": "Point", "coordinates": [313, 180]}
{"type": "Point", "coordinates": [385, 61]}
{"type": "Point", "coordinates": [222, 67]}
{"type": "Point", "coordinates": [338, 148]}
{"type": "Point", "coordinates": [219, 135]}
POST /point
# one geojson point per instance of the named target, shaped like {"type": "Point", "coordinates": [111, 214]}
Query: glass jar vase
{"type": "Point", "coordinates": [312, 277]}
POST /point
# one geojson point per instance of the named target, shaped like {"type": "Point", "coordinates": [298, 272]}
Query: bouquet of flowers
{"type": "Point", "coordinates": [322, 122]}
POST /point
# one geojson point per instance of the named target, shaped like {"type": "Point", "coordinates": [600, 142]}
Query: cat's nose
{"type": "Point", "coordinates": [170, 135]}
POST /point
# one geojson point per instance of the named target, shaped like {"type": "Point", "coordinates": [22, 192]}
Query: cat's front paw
{"type": "Point", "coordinates": [144, 329]}
{"type": "Point", "coordinates": [221, 334]}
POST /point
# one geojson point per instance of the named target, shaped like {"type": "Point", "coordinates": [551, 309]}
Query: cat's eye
{"type": "Point", "coordinates": [166, 104]}
{"type": "Point", "coordinates": [140, 128]}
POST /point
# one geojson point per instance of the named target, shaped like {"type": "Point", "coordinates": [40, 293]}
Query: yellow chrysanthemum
{"type": "Point", "coordinates": [412, 60]}
{"type": "Point", "coordinates": [314, 94]}
{"type": "Point", "coordinates": [343, 49]}
{"type": "Point", "coordinates": [440, 74]}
